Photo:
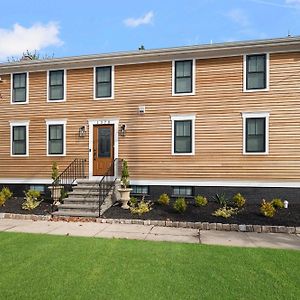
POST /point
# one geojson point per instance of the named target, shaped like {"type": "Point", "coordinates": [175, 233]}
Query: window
{"type": "Point", "coordinates": [256, 133]}
{"type": "Point", "coordinates": [183, 77]}
{"type": "Point", "coordinates": [183, 130]}
{"type": "Point", "coordinates": [56, 138]}
{"type": "Point", "coordinates": [19, 88]}
{"type": "Point", "coordinates": [19, 138]}
{"type": "Point", "coordinates": [185, 191]}
{"type": "Point", "coordinates": [104, 77]}
{"type": "Point", "coordinates": [140, 189]}
{"type": "Point", "coordinates": [56, 85]}
{"type": "Point", "coordinates": [256, 72]}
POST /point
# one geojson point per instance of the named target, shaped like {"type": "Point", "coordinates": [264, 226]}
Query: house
{"type": "Point", "coordinates": [189, 120]}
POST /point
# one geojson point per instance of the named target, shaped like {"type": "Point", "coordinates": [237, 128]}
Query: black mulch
{"type": "Point", "coordinates": [250, 215]}
{"type": "Point", "coordinates": [14, 205]}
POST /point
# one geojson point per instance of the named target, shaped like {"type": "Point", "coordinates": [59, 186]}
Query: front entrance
{"type": "Point", "coordinates": [103, 149]}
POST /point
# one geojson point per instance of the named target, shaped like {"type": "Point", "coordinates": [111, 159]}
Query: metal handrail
{"type": "Point", "coordinates": [75, 170]}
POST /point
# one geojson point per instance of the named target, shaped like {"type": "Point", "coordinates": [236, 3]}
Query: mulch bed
{"type": "Point", "coordinates": [249, 215]}
{"type": "Point", "coordinates": [14, 205]}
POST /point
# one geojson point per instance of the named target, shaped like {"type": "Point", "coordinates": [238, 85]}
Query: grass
{"type": "Point", "coordinates": [58, 267]}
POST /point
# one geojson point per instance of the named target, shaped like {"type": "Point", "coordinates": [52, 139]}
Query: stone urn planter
{"type": "Point", "coordinates": [55, 193]}
{"type": "Point", "coordinates": [124, 197]}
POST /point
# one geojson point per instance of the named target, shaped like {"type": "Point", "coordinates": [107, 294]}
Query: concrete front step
{"type": "Point", "coordinates": [86, 206]}
{"type": "Point", "coordinates": [81, 200]}
{"type": "Point", "coordinates": [76, 213]}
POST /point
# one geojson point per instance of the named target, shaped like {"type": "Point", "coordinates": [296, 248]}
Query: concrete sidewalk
{"type": "Point", "coordinates": [153, 233]}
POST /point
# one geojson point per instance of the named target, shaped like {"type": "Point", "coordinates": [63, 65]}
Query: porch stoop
{"type": "Point", "coordinates": [83, 200]}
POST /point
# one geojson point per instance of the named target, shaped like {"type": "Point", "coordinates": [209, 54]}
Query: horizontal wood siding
{"type": "Point", "coordinates": [218, 104]}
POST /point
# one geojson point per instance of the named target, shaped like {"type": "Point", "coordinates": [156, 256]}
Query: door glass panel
{"type": "Point", "coordinates": [104, 142]}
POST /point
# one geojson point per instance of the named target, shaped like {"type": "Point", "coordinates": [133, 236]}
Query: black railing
{"type": "Point", "coordinates": [65, 180]}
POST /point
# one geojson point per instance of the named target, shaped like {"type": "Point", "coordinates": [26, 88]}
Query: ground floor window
{"type": "Point", "coordinates": [19, 138]}
{"type": "Point", "coordinates": [184, 191]}
{"type": "Point", "coordinates": [140, 189]}
{"type": "Point", "coordinates": [56, 137]}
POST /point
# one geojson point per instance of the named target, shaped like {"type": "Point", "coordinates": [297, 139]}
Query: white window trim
{"type": "Point", "coordinates": [193, 78]}
{"type": "Point", "coordinates": [65, 86]}
{"type": "Point", "coordinates": [265, 115]}
{"type": "Point", "coordinates": [190, 117]}
{"type": "Point", "coordinates": [57, 122]}
{"type": "Point", "coordinates": [112, 83]}
{"type": "Point", "coordinates": [19, 123]}
{"type": "Point", "coordinates": [267, 73]}
{"type": "Point", "coordinates": [93, 122]}
{"type": "Point", "coordinates": [11, 88]}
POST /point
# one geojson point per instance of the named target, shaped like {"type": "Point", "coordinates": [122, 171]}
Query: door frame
{"type": "Point", "coordinates": [112, 121]}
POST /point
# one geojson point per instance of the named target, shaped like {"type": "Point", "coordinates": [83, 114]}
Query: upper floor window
{"type": "Point", "coordinates": [183, 77]}
{"type": "Point", "coordinates": [256, 133]}
{"type": "Point", "coordinates": [19, 138]}
{"type": "Point", "coordinates": [56, 85]}
{"type": "Point", "coordinates": [19, 88]}
{"type": "Point", "coordinates": [256, 72]}
{"type": "Point", "coordinates": [183, 131]}
{"type": "Point", "coordinates": [104, 82]}
{"type": "Point", "coordinates": [56, 137]}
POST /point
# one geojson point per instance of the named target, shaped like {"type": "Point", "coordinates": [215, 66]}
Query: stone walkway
{"type": "Point", "coordinates": [153, 233]}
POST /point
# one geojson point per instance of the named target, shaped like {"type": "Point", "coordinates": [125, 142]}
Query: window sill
{"type": "Point", "coordinates": [255, 153]}
{"type": "Point", "coordinates": [256, 90]}
{"type": "Point", "coordinates": [56, 155]}
{"type": "Point", "coordinates": [183, 154]}
{"type": "Point", "coordinates": [104, 98]}
{"type": "Point", "coordinates": [55, 101]}
{"type": "Point", "coordinates": [19, 155]}
{"type": "Point", "coordinates": [183, 94]}
{"type": "Point", "coordinates": [19, 103]}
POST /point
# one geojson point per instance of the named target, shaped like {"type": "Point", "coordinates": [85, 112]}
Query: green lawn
{"type": "Point", "coordinates": [58, 267]}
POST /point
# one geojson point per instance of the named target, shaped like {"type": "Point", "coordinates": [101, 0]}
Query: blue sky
{"type": "Point", "coordinates": [66, 28]}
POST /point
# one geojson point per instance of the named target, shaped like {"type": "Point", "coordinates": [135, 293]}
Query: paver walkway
{"type": "Point", "coordinates": [153, 233]}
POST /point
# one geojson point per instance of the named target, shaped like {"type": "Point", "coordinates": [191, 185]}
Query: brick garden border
{"type": "Point", "coordinates": [195, 225]}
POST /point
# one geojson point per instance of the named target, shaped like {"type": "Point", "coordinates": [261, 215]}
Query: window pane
{"type": "Point", "coordinates": [179, 128]}
{"type": "Point", "coordinates": [103, 74]}
{"type": "Point", "coordinates": [183, 145]}
{"type": "Point", "coordinates": [256, 143]}
{"type": "Point", "coordinates": [56, 93]}
{"type": "Point", "coordinates": [104, 142]}
{"type": "Point", "coordinates": [19, 133]}
{"type": "Point", "coordinates": [19, 147]}
{"type": "Point", "coordinates": [179, 66]}
{"type": "Point", "coordinates": [56, 132]}
{"type": "Point", "coordinates": [256, 81]}
{"type": "Point", "coordinates": [19, 80]}
{"type": "Point", "coordinates": [183, 85]}
{"type": "Point", "coordinates": [56, 77]}
{"type": "Point", "coordinates": [260, 63]}
{"type": "Point", "coordinates": [56, 147]}
{"type": "Point", "coordinates": [19, 95]}
{"type": "Point", "coordinates": [255, 131]}
{"type": "Point", "coordinates": [103, 90]}
{"type": "Point", "coordinates": [260, 126]}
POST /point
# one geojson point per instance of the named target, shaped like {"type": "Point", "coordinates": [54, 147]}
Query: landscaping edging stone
{"type": "Point", "coordinates": [194, 225]}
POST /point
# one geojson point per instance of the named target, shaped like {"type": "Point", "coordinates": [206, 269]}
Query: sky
{"type": "Point", "coordinates": [62, 28]}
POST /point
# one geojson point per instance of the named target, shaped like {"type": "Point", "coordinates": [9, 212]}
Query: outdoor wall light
{"type": "Point", "coordinates": [82, 131]}
{"type": "Point", "coordinates": [123, 129]}
{"type": "Point", "coordinates": [286, 203]}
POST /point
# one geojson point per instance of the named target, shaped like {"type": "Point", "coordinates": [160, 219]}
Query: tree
{"type": "Point", "coordinates": [30, 55]}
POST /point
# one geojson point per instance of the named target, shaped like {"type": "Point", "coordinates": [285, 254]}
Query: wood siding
{"type": "Point", "coordinates": [218, 104]}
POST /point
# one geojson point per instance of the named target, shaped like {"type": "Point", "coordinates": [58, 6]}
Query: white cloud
{"type": "Point", "coordinates": [146, 19]}
{"type": "Point", "coordinates": [15, 41]}
{"type": "Point", "coordinates": [238, 16]}
{"type": "Point", "coordinates": [293, 2]}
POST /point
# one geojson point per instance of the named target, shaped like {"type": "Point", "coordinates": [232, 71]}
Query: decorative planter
{"type": "Point", "coordinates": [124, 197]}
{"type": "Point", "coordinates": [55, 193]}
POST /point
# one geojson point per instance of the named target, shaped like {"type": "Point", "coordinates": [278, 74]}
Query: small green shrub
{"type": "Point", "coordinates": [267, 209]}
{"type": "Point", "coordinates": [164, 199]}
{"type": "Point", "coordinates": [133, 201]}
{"type": "Point", "coordinates": [200, 200]}
{"type": "Point", "coordinates": [5, 194]}
{"type": "Point", "coordinates": [239, 200]}
{"type": "Point", "coordinates": [141, 208]}
{"type": "Point", "coordinates": [225, 212]}
{"type": "Point", "coordinates": [277, 203]}
{"type": "Point", "coordinates": [55, 170]}
{"type": "Point", "coordinates": [221, 199]}
{"type": "Point", "coordinates": [31, 200]}
{"type": "Point", "coordinates": [180, 205]}
{"type": "Point", "coordinates": [63, 195]}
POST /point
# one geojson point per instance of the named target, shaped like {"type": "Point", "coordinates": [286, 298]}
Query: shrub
{"type": "Point", "coordinates": [277, 203]}
{"type": "Point", "coordinates": [141, 208]}
{"type": "Point", "coordinates": [267, 209]}
{"type": "Point", "coordinates": [239, 200]}
{"type": "Point", "coordinates": [5, 194]}
{"type": "Point", "coordinates": [221, 199]}
{"type": "Point", "coordinates": [31, 200]}
{"type": "Point", "coordinates": [225, 212]}
{"type": "Point", "coordinates": [133, 201]}
{"type": "Point", "coordinates": [125, 174]}
{"type": "Point", "coordinates": [55, 169]}
{"type": "Point", "coordinates": [200, 200]}
{"type": "Point", "coordinates": [180, 205]}
{"type": "Point", "coordinates": [164, 199]}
